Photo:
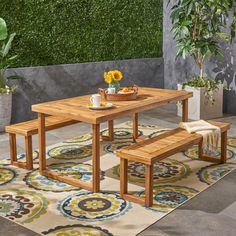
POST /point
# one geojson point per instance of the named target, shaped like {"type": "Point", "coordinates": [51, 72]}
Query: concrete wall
{"type": "Point", "coordinates": [48, 83]}
{"type": "Point", "coordinates": [179, 70]}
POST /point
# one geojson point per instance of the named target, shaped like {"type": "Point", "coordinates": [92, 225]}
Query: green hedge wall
{"type": "Point", "coordinates": [71, 31]}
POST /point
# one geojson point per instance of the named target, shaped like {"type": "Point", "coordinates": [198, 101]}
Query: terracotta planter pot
{"type": "Point", "coordinates": [199, 105]}
{"type": "Point", "coordinates": [5, 110]}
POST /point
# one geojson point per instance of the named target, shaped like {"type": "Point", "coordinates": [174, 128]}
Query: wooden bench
{"type": "Point", "coordinates": [27, 129]}
{"type": "Point", "coordinates": [157, 148]}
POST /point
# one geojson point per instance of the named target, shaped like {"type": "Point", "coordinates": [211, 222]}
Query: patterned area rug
{"type": "Point", "coordinates": [53, 208]}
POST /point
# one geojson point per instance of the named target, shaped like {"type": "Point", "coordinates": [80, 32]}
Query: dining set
{"type": "Point", "coordinates": [77, 109]}
{"type": "Point", "coordinates": [95, 110]}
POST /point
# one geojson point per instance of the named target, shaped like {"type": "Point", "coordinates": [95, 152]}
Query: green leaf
{"type": "Point", "coordinates": [200, 25]}
{"type": "Point", "coordinates": [223, 36]}
{"type": "Point", "coordinates": [12, 58]}
{"type": "Point", "coordinates": [3, 29]}
{"type": "Point", "coordinates": [8, 45]}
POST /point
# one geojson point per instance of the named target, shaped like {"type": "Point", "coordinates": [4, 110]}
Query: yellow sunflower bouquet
{"type": "Point", "coordinates": [113, 76]}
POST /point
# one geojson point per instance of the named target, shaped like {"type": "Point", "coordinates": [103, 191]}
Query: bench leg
{"type": "Point", "coordinates": [42, 142]}
{"type": "Point", "coordinates": [200, 150]}
{"type": "Point", "coordinates": [149, 185]}
{"type": "Point", "coordinates": [123, 176]}
{"type": "Point", "coordinates": [223, 147]}
{"type": "Point", "coordinates": [135, 126]}
{"type": "Point", "coordinates": [223, 151]}
{"type": "Point", "coordinates": [29, 152]}
{"type": "Point", "coordinates": [13, 148]}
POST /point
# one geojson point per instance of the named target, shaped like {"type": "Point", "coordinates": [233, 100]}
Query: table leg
{"type": "Point", "coordinates": [223, 147]}
{"type": "Point", "coordinates": [110, 136]}
{"type": "Point", "coordinates": [185, 110]}
{"type": "Point", "coordinates": [96, 158]}
{"type": "Point", "coordinates": [111, 130]}
{"type": "Point", "coordinates": [135, 125]}
{"type": "Point", "coordinates": [42, 142]}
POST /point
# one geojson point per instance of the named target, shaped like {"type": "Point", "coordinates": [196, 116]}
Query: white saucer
{"type": "Point", "coordinates": [108, 105]}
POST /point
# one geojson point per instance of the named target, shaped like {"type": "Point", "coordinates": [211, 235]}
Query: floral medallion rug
{"type": "Point", "coordinates": [50, 207]}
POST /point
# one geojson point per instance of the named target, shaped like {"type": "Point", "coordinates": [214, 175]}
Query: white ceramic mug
{"type": "Point", "coordinates": [111, 90]}
{"type": "Point", "coordinates": [96, 100]}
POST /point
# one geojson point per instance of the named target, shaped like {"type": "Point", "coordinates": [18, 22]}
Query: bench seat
{"type": "Point", "coordinates": [27, 129]}
{"type": "Point", "coordinates": [157, 148]}
{"type": "Point", "coordinates": [154, 149]}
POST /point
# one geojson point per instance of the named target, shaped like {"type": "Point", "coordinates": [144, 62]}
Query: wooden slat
{"type": "Point", "coordinates": [159, 147]}
{"type": "Point", "coordinates": [133, 198]}
{"type": "Point", "coordinates": [76, 108]}
{"type": "Point", "coordinates": [19, 164]}
{"type": "Point", "coordinates": [223, 126]}
{"type": "Point", "coordinates": [31, 127]}
{"type": "Point", "coordinates": [67, 179]}
{"type": "Point", "coordinates": [141, 138]}
{"type": "Point", "coordinates": [159, 137]}
{"type": "Point", "coordinates": [210, 159]}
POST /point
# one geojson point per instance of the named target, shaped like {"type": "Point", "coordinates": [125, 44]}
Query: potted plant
{"type": "Point", "coordinates": [112, 78]}
{"type": "Point", "coordinates": [5, 89]}
{"type": "Point", "coordinates": [198, 28]}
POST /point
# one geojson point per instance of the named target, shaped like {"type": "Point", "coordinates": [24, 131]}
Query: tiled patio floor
{"type": "Point", "coordinates": [210, 213]}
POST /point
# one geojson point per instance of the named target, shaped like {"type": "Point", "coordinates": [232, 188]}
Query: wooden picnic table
{"type": "Point", "coordinates": [77, 108]}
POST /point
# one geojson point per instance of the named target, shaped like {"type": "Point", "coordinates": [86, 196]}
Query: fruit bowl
{"type": "Point", "coordinates": [124, 94]}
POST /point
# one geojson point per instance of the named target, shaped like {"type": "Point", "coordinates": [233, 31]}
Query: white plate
{"type": "Point", "coordinates": [109, 105]}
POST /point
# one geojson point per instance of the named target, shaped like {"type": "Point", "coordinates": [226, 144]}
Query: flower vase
{"type": "Point", "coordinates": [115, 85]}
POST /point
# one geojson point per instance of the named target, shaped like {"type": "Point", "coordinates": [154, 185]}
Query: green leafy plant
{"type": "Point", "coordinates": [209, 85]}
{"type": "Point", "coordinates": [5, 59]}
{"type": "Point", "coordinates": [84, 31]}
{"type": "Point", "coordinates": [199, 26]}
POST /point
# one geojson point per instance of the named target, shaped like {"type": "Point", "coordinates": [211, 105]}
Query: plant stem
{"type": "Point", "coordinates": [195, 35]}
{"type": "Point", "coordinates": [202, 71]}
{"type": "Point", "coordinates": [1, 78]}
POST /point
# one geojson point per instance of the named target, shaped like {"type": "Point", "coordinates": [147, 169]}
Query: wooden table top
{"type": "Point", "coordinates": [76, 108]}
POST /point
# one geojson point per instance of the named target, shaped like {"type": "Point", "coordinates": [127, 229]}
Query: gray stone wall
{"type": "Point", "coordinates": [41, 84]}
{"type": "Point", "coordinates": [179, 70]}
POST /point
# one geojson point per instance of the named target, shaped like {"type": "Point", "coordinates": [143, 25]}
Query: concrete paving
{"type": "Point", "coordinates": [213, 212]}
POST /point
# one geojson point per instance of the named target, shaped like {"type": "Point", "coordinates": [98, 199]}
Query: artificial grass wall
{"type": "Point", "coordinates": [72, 31]}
